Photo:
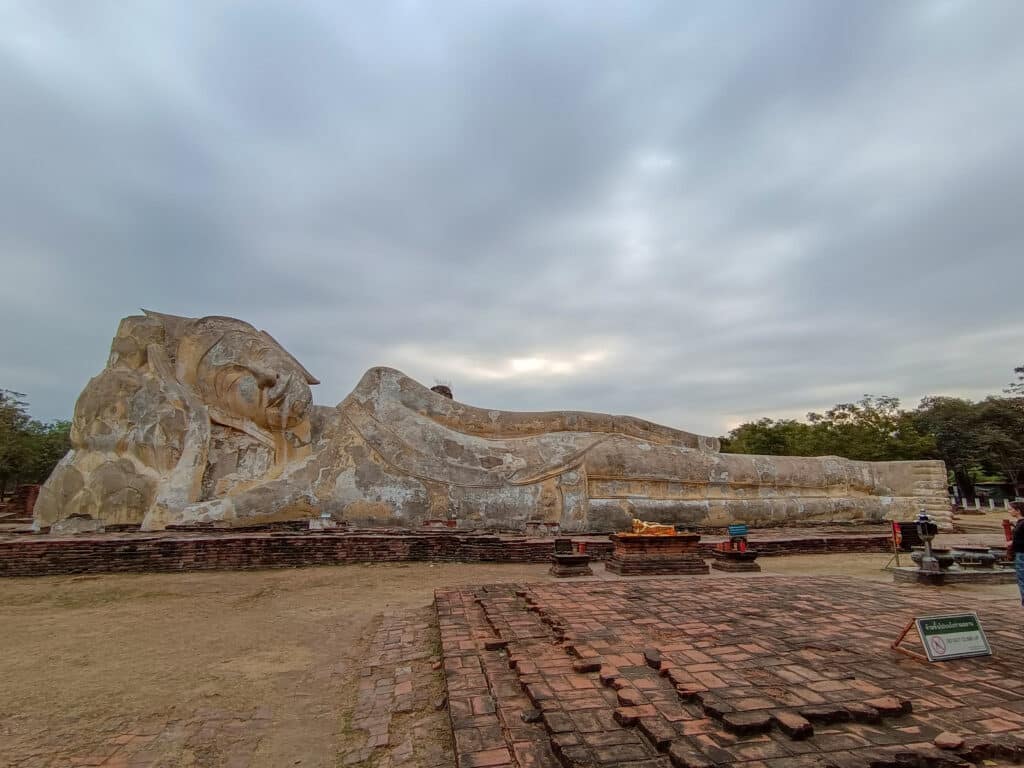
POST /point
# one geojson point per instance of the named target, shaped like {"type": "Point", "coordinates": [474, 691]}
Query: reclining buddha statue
{"type": "Point", "coordinates": [210, 422]}
{"type": "Point", "coordinates": [644, 528]}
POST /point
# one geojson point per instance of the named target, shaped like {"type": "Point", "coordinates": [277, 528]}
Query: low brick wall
{"type": "Point", "coordinates": [39, 556]}
{"type": "Point", "coordinates": [48, 556]}
{"type": "Point", "coordinates": [818, 545]}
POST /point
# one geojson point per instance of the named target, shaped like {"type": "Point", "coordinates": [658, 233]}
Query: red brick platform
{"type": "Point", "coordinates": [707, 671]}
{"type": "Point", "coordinates": [638, 554]}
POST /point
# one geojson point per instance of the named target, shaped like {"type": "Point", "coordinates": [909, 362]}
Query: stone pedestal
{"type": "Point", "coordinates": [974, 557]}
{"type": "Point", "coordinates": [636, 554]}
{"type": "Point", "coordinates": [575, 564]}
{"type": "Point", "coordinates": [567, 561]}
{"type": "Point", "coordinates": [735, 560]}
{"type": "Point", "coordinates": [962, 576]}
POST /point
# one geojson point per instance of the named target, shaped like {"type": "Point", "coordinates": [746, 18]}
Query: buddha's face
{"type": "Point", "coordinates": [245, 374]}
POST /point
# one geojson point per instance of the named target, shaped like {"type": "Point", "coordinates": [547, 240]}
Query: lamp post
{"type": "Point", "coordinates": [927, 530]}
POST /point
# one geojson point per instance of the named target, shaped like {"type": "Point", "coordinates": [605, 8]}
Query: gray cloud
{"type": "Point", "coordinates": [697, 213]}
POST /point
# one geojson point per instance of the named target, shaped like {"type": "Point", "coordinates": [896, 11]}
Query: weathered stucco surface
{"type": "Point", "coordinates": [207, 420]}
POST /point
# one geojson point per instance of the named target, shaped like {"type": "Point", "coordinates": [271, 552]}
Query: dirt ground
{"type": "Point", "coordinates": [269, 658]}
{"type": "Point", "coordinates": [86, 658]}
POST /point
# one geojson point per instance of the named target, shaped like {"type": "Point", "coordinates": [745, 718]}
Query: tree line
{"type": "Point", "coordinates": [29, 449]}
{"type": "Point", "coordinates": [979, 440]}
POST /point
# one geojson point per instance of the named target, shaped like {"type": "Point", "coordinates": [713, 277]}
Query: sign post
{"type": "Point", "coordinates": [897, 542]}
{"type": "Point", "coordinates": [947, 637]}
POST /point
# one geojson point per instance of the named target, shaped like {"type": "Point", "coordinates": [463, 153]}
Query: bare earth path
{"type": "Point", "coordinates": [260, 668]}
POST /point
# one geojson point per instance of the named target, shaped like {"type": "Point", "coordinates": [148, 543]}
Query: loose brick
{"type": "Point", "coordinates": [485, 759]}
{"type": "Point", "coordinates": [658, 731]}
{"type": "Point", "coordinates": [630, 697]}
{"type": "Point", "coordinates": [863, 713]}
{"type": "Point", "coordinates": [652, 657]}
{"type": "Point", "coordinates": [947, 740]}
{"type": "Point", "coordinates": [891, 705]}
{"type": "Point", "coordinates": [793, 725]}
{"type": "Point", "coordinates": [683, 755]}
{"type": "Point", "coordinates": [584, 666]}
{"type": "Point", "coordinates": [744, 723]}
{"type": "Point", "coordinates": [826, 713]}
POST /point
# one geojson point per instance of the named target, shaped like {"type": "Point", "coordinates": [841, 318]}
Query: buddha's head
{"type": "Point", "coordinates": [239, 370]}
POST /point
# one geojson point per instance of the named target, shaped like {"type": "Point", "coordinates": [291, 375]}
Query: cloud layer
{"type": "Point", "coordinates": [696, 213]}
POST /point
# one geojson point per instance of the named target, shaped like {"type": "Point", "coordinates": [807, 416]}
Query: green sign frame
{"type": "Point", "coordinates": [952, 636]}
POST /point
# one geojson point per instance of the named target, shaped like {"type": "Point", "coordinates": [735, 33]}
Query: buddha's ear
{"type": "Point", "coordinates": [174, 325]}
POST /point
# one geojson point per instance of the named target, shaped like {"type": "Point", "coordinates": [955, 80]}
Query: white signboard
{"type": "Point", "coordinates": [954, 636]}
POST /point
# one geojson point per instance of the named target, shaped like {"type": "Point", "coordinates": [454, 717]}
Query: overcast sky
{"type": "Point", "coordinates": [698, 213]}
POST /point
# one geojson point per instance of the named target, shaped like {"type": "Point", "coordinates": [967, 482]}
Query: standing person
{"type": "Point", "coordinates": [1017, 543]}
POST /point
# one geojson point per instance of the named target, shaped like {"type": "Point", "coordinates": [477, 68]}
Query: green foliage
{"type": "Point", "coordinates": [873, 429]}
{"type": "Point", "coordinates": [974, 439]}
{"type": "Point", "coordinates": [29, 449]}
{"type": "Point", "coordinates": [953, 423]}
{"type": "Point", "coordinates": [772, 438]}
{"type": "Point", "coordinates": [1000, 437]}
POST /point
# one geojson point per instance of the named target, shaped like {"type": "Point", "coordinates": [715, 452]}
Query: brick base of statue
{"type": "Point", "coordinates": [575, 564]}
{"type": "Point", "coordinates": [638, 554]}
{"type": "Point", "coordinates": [735, 560]}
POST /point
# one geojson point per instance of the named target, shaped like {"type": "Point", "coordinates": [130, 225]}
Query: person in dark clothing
{"type": "Point", "coordinates": [1017, 544]}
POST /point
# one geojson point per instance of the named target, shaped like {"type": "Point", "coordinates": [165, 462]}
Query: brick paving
{"type": "Point", "coordinates": [398, 717]}
{"type": "Point", "coordinates": [206, 737]}
{"type": "Point", "coordinates": [692, 672]}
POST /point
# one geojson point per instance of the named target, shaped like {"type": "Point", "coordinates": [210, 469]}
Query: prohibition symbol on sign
{"type": "Point", "coordinates": [938, 646]}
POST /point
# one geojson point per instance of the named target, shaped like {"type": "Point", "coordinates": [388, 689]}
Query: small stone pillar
{"type": "Point", "coordinates": [568, 562]}
{"type": "Point", "coordinates": [734, 554]}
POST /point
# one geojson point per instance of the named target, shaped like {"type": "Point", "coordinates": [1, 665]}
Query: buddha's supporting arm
{"type": "Point", "coordinates": [289, 497]}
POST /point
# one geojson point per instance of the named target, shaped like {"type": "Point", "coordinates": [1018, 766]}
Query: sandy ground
{"type": "Point", "coordinates": [82, 658]}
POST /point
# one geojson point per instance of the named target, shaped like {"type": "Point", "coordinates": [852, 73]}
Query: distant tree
{"type": "Point", "coordinates": [47, 442]}
{"type": "Point", "coordinates": [29, 449]}
{"type": "Point", "coordinates": [953, 422]}
{"type": "Point", "coordinates": [974, 439]}
{"type": "Point", "coordinates": [1017, 387]}
{"type": "Point", "coordinates": [872, 429]}
{"type": "Point", "coordinates": [13, 419]}
{"type": "Point", "coordinates": [1000, 435]}
{"type": "Point", "coordinates": [785, 437]}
